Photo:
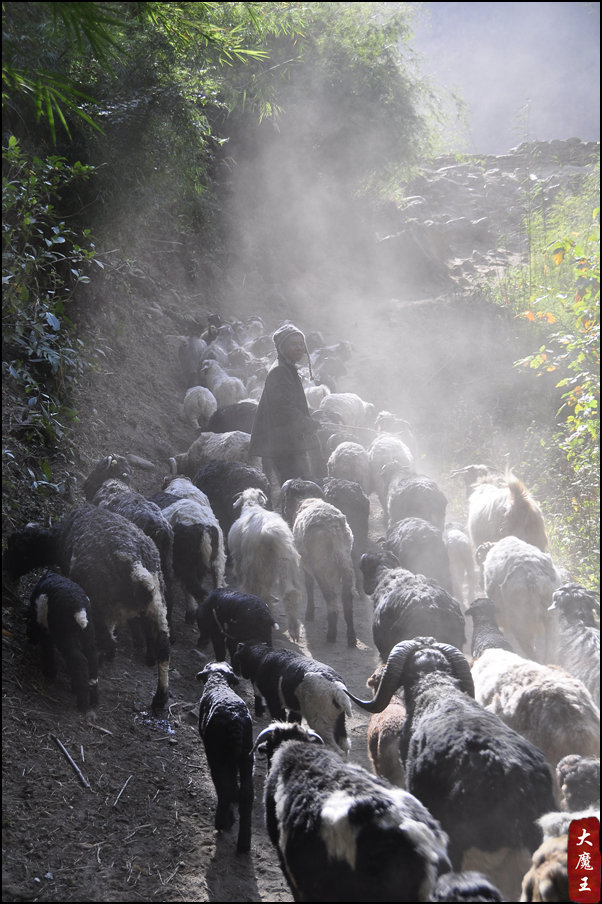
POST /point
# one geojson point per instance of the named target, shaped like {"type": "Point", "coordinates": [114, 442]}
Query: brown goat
{"type": "Point", "coordinates": [383, 736]}
{"type": "Point", "coordinates": [502, 508]}
{"type": "Point", "coordinates": [548, 878]}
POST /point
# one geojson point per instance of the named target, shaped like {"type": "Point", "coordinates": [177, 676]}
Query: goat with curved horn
{"type": "Point", "coordinates": [394, 670]}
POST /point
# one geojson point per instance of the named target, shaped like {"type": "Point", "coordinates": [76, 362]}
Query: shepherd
{"type": "Point", "coordinates": [283, 429]}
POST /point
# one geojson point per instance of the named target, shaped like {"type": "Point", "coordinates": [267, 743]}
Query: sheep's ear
{"type": "Point", "coordinates": [233, 680]}
{"type": "Point", "coordinates": [202, 676]}
{"type": "Point", "coordinates": [237, 501]}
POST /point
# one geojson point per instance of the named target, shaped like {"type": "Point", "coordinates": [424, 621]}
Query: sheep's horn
{"type": "Point", "coordinates": [459, 665]}
{"type": "Point", "coordinates": [391, 678]}
{"type": "Point", "coordinates": [173, 467]}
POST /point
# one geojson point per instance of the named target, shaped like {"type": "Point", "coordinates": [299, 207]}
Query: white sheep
{"type": "Point", "coordinates": [354, 411]}
{"type": "Point", "coordinates": [546, 705]}
{"type": "Point", "coordinates": [503, 507]}
{"type": "Point", "coordinates": [383, 449]}
{"type": "Point", "coordinates": [264, 555]}
{"type": "Point", "coordinates": [315, 394]}
{"type": "Point", "coordinates": [199, 405]}
{"type": "Point", "coordinates": [226, 389]}
{"type": "Point", "coordinates": [520, 579]}
{"type": "Point", "coordinates": [324, 540]}
{"type": "Point", "coordinates": [232, 446]}
{"type": "Point", "coordinates": [349, 461]}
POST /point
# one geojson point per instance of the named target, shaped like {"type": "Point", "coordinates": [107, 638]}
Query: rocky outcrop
{"type": "Point", "coordinates": [463, 215]}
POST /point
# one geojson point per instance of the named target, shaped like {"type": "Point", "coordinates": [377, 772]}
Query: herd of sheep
{"type": "Point", "coordinates": [478, 759]}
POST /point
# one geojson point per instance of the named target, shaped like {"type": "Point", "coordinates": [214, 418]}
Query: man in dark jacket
{"type": "Point", "coordinates": [283, 429]}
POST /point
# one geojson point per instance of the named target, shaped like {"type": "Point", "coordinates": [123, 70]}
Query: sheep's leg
{"type": "Point", "coordinates": [191, 605]}
{"type": "Point", "coordinates": [48, 663]}
{"type": "Point", "coordinates": [309, 588]}
{"type": "Point", "coordinates": [156, 618]}
{"type": "Point", "coordinates": [245, 803]}
{"type": "Point", "coordinates": [224, 779]}
{"type": "Point", "coordinates": [259, 701]}
{"type": "Point", "coordinates": [89, 650]}
{"type": "Point", "coordinates": [219, 646]}
{"type": "Point", "coordinates": [331, 611]}
{"type": "Point", "coordinates": [149, 637]}
{"type": "Point", "coordinates": [77, 666]}
{"type": "Point", "coordinates": [347, 597]}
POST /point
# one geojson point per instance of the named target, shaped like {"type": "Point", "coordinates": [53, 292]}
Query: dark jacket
{"type": "Point", "coordinates": [282, 424]}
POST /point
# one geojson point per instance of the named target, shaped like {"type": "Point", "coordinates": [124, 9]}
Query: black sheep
{"type": "Point", "coordinates": [409, 605]}
{"type": "Point", "coordinates": [223, 481]}
{"type": "Point", "coordinates": [232, 417]}
{"type": "Point", "coordinates": [466, 886]}
{"type": "Point", "coordinates": [485, 633]}
{"type": "Point", "coordinates": [413, 496]}
{"type": "Point", "coordinates": [111, 467]}
{"type": "Point", "coordinates": [59, 615]}
{"type": "Point", "coordinates": [420, 548]}
{"type": "Point", "coordinates": [229, 617]}
{"type": "Point", "coordinates": [226, 728]}
{"type": "Point", "coordinates": [293, 492]}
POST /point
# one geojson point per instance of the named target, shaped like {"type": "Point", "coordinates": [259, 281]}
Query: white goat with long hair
{"type": "Point", "coordinates": [264, 555]}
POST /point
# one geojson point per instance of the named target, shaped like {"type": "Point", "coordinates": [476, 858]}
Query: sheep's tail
{"type": "Point", "coordinates": [217, 557]}
{"type": "Point", "coordinates": [149, 587]}
{"type": "Point", "coordinates": [523, 515]}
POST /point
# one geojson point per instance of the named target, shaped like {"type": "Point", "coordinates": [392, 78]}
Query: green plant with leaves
{"type": "Point", "coordinates": [43, 261]}
{"type": "Point", "coordinates": [573, 353]}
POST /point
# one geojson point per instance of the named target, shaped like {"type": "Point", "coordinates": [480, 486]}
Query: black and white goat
{"type": "Point", "coordinates": [59, 615]}
{"type": "Point", "coordinates": [307, 688]}
{"type": "Point", "coordinates": [226, 727]}
{"type": "Point", "coordinates": [342, 834]}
